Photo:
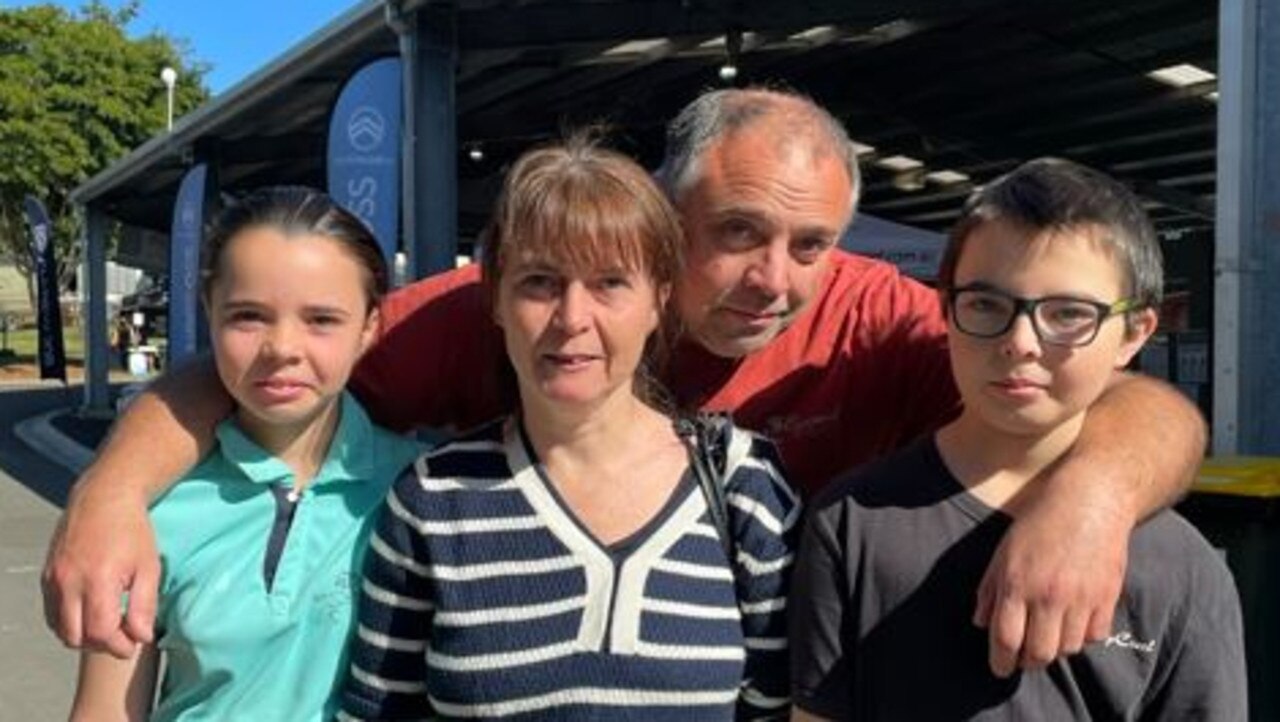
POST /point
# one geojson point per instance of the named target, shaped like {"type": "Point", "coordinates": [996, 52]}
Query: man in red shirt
{"type": "Point", "coordinates": [838, 358]}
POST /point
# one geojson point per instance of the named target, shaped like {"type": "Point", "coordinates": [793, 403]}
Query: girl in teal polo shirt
{"type": "Point", "coordinates": [261, 542]}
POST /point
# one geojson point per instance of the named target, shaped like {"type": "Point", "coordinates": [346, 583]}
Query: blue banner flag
{"type": "Point", "coordinates": [53, 356]}
{"type": "Point", "coordinates": [184, 264]}
{"type": "Point", "coordinates": [364, 149]}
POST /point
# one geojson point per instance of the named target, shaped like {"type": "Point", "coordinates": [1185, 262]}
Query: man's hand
{"type": "Point", "coordinates": [102, 548]}
{"type": "Point", "coordinates": [1053, 583]}
{"type": "Point", "coordinates": [104, 545]}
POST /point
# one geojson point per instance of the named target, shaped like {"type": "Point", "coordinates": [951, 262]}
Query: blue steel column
{"type": "Point", "coordinates": [97, 354]}
{"type": "Point", "coordinates": [432, 120]}
{"type": "Point", "coordinates": [1246, 410]}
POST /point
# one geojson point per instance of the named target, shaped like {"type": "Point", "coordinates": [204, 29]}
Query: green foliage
{"type": "Point", "coordinates": [76, 94]}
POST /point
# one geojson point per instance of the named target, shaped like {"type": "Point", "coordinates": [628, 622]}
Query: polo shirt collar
{"type": "Point", "coordinates": [349, 458]}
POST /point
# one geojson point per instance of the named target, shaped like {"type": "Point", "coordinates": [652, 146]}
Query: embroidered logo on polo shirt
{"type": "Point", "coordinates": [1126, 640]}
{"type": "Point", "coordinates": [336, 601]}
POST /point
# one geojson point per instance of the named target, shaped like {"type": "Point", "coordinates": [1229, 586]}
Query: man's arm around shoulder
{"type": "Point", "coordinates": [1053, 583]}
{"type": "Point", "coordinates": [103, 545]}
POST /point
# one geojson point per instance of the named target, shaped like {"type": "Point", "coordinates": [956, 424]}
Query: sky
{"type": "Point", "coordinates": [234, 37]}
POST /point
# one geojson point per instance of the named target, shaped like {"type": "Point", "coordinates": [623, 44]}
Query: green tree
{"type": "Point", "coordinates": [76, 94]}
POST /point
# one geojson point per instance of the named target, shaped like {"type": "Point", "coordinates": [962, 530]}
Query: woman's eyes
{"type": "Point", "coordinates": [546, 284]}
{"type": "Point", "coordinates": [611, 283]}
{"type": "Point", "coordinates": [539, 283]}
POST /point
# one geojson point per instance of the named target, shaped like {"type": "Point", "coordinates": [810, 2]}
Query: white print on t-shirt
{"type": "Point", "coordinates": [1126, 640]}
{"type": "Point", "coordinates": [798, 426]}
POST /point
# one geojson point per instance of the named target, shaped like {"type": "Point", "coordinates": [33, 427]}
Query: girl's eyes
{"type": "Point", "coordinates": [254, 318]}
{"type": "Point", "coordinates": [325, 319]}
{"type": "Point", "coordinates": [245, 317]}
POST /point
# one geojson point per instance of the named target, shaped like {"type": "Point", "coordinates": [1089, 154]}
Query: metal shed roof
{"type": "Point", "coordinates": [965, 86]}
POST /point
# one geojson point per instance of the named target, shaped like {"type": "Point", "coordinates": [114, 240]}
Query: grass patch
{"type": "Point", "coordinates": [19, 346]}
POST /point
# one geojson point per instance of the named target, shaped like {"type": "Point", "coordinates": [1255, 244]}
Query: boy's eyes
{"type": "Point", "coordinates": [1070, 312]}
{"type": "Point", "coordinates": [981, 303]}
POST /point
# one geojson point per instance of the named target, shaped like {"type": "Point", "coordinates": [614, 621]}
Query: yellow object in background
{"type": "Point", "coordinates": [1252, 476]}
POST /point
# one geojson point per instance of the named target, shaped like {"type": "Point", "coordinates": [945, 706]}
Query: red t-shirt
{"type": "Point", "coordinates": [861, 372]}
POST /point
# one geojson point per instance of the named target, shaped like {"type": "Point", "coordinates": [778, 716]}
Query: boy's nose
{"type": "Point", "coordinates": [1021, 340]}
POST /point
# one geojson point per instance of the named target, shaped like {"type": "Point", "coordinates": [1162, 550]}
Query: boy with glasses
{"type": "Point", "coordinates": [1049, 284]}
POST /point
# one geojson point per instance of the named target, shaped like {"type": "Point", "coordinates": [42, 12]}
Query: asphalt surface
{"type": "Point", "coordinates": [36, 673]}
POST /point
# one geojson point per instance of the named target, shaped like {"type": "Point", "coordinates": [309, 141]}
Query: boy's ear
{"type": "Point", "coordinates": [1138, 328]}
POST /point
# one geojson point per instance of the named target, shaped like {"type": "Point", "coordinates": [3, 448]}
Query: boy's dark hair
{"type": "Point", "coordinates": [1054, 194]}
{"type": "Point", "coordinates": [295, 210]}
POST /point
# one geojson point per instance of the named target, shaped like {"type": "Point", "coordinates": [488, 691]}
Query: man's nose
{"type": "Point", "coordinates": [768, 272]}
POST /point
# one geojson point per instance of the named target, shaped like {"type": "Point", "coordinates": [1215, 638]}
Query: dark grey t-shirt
{"type": "Point", "coordinates": [884, 591]}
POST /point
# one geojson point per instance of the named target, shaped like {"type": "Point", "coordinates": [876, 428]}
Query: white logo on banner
{"type": "Point", "coordinates": [366, 129]}
{"type": "Point", "coordinates": [41, 234]}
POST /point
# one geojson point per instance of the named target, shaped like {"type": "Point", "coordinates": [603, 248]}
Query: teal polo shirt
{"type": "Point", "coordinates": [236, 650]}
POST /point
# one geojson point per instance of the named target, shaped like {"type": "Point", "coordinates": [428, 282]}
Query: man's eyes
{"type": "Point", "coordinates": [738, 232]}
{"type": "Point", "coordinates": [808, 249]}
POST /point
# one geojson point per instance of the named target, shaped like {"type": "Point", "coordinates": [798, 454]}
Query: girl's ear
{"type": "Point", "coordinates": [369, 334]}
{"type": "Point", "coordinates": [1138, 328]}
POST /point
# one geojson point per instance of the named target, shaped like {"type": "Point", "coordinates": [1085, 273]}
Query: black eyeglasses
{"type": "Point", "coordinates": [985, 312]}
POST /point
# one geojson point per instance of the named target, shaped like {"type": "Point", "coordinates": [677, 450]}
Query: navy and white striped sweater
{"type": "Point", "coordinates": [484, 597]}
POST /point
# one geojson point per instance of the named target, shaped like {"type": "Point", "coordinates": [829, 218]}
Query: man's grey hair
{"type": "Point", "coordinates": [716, 114]}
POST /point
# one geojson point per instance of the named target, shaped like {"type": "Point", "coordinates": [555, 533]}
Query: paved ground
{"type": "Point", "coordinates": [36, 672]}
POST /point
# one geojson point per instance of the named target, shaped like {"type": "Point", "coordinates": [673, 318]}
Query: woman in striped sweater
{"type": "Point", "coordinates": [562, 563]}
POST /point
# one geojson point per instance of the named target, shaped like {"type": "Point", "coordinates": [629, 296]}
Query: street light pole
{"type": "Point", "coordinates": [169, 77]}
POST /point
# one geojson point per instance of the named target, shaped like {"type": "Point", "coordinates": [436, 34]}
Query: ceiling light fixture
{"type": "Point", "coordinates": [1182, 75]}
{"type": "Point", "coordinates": [911, 179]}
{"type": "Point", "coordinates": [947, 177]}
{"type": "Point", "coordinates": [899, 163]}
{"type": "Point", "coordinates": [732, 49]}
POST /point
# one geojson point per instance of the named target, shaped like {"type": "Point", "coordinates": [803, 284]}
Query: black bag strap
{"type": "Point", "coordinates": [706, 437]}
